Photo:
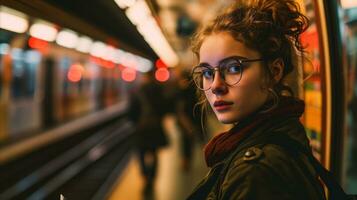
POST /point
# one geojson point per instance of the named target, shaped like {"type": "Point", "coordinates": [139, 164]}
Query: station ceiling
{"type": "Point", "coordinates": [108, 17]}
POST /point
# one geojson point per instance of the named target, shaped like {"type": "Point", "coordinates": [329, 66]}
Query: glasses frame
{"type": "Point", "coordinates": [241, 62]}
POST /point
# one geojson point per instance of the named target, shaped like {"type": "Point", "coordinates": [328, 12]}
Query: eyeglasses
{"type": "Point", "coordinates": [230, 70]}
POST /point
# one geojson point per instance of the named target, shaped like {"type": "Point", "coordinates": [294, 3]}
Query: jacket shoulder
{"type": "Point", "coordinates": [267, 166]}
{"type": "Point", "coordinates": [268, 154]}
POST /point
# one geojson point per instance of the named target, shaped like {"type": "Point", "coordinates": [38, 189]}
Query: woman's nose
{"type": "Point", "coordinates": [218, 85]}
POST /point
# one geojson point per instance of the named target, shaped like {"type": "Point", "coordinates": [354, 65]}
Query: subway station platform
{"type": "Point", "coordinates": [172, 181]}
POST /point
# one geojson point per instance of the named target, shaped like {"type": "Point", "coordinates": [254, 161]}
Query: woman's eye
{"type": "Point", "coordinates": [233, 69]}
{"type": "Point", "coordinates": [208, 74]}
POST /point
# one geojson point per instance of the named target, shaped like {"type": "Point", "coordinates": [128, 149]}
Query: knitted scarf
{"type": "Point", "coordinates": [220, 146]}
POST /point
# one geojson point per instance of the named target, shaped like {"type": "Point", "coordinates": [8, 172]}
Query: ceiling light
{"type": "Point", "coordinates": [67, 38]}
{"type": "Point", "coordinates": [125, 3]}
{"type": "Point", "coordinates": [84, 44]}
{"type": "Point", "coordinates": [12, 20]}
{"type": "Point", "coordinates": [98, 49]}
{"type": "Point", "coordinates": [138, 13]}
{"type": "Point", "coordinates": [44, 31]}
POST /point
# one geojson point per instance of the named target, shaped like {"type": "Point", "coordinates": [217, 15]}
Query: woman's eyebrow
{"type": "Point", "coordinates": [204, 64]}
{"type": "Point", "coordinates": [232, 57]}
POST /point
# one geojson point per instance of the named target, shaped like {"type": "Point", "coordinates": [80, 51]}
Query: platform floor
{"type": "Point", "coordinates": [172, 183]}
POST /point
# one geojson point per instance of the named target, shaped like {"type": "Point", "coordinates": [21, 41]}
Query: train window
{"type": "Point", "coordinates": [25, 64]}
{"type": "Point", "coordinates": [348, 26]}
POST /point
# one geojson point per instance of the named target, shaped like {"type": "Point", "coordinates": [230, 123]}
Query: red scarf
{"type": "Point", "coordinates": [223, 144]}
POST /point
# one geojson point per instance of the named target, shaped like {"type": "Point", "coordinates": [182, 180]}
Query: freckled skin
{"type": "Point", "coordinates": [247, 96]}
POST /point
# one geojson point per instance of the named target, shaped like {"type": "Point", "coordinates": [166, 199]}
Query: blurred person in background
{"type": "Point", "coordinates": [148, 113]}
{"type": "Point", "coordinates": [188, 118]}
{"type": "Point", "coordinates": [244, 56]}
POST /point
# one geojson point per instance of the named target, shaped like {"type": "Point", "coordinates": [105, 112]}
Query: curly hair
{"type": "Point", "coordinates": [271, 27]}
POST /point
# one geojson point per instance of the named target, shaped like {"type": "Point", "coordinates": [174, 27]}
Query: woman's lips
{"type": "Point", "coordinates": [222, 105]}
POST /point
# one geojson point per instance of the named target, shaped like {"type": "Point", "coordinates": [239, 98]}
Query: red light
{"type": "Point", "coordinates": [103, 63]}
{"type": "Point", "coordinates": [310, 40]}
{"type": "Point", "coordinates": [160, 64]}
{"type": "Point", "coordinates": [39, 44]}
{"type": "Point", "coordinates": [75, 73]}
{"type": "Point", "coordinates": [128, 74]}
{"type": "Point", "coordinates": [162, 74]}
{"type": "Point", "coordinates": [95, 60]}
{"type": "Point", "coordinates": [108, 64]}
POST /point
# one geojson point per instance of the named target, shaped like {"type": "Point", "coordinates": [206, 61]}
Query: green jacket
{"type": "Point", "coordinates": [258, 171]}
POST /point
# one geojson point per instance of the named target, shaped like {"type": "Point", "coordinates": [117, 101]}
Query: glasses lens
{"type": "Point", "coordinates": [232, 72]}
{"type": "Point", "coordinates": [203, 77]}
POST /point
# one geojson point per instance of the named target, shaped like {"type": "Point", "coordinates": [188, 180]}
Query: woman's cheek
{"type": "Point", "coordinates": [209, 96]}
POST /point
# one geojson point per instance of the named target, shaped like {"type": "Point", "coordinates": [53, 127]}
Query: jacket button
{"type": "Point", "coordinates": [249, 154]}
{"type": "Point", "coordinates": [252, 154]}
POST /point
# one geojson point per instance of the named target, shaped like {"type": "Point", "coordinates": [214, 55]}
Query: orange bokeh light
{"type": "Point", "coordinates": [162, 74]}
{"type": "Point", "coordinates": [128, 74]}
{"type": "Point", "coordinates": [75, 73]}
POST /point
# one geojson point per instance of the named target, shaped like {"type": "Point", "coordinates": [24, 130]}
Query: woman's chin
{"type": "Point", "coordinates": [226, 119]}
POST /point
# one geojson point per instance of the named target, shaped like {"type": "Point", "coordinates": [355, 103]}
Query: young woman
{"type": "Point", "coordinates": [244, 57]}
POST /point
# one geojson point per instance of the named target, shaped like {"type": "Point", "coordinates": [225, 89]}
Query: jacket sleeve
{"type": "Point", "coordinates": [254, 181]}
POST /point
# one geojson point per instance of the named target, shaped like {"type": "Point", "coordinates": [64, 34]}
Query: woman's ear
{"type": "Point", "coordinates": [277, 69]}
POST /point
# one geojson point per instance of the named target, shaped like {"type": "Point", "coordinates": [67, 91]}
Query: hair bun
{"type": "Point", "coordinates": [280, 16]}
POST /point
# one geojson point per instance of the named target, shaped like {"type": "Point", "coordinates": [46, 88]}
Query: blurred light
{"type": "Point", "coordinates": [98, 49]}
{"type": "Point", "coordinates": [125, 3]}
{"type": "Point", "coordinates": [43, 31]}
{"type": "Point", "coordinates": [128, 75]}
{"type": "Point", "coordinates": [162, 74]}
{"type": "Point", "coordinates": [13, 21]}
{"type": "Point", "coordinates": [155, 38]}
{"type": "Point", "coordinates": [160, 64]}
{"type": "Point", "coordinates": [4, 48]}
{"type": "Point", "coordinates": [67, 38]}
{"type": "Point", "coordinates": [130, 60]}
{"type": "Point", "coordinates": [84, 44]}
{"type": "Point", "coordinates": [144, 65]}
{"type": "Point", "coordinates": [138, 13]}
{"type": "Point", "coordinates": [107, 64]}
{"type": "Point", "coordinates": [119, 56]}
{"type": "Point", "coordinates": [37, 43]}
{"type": "Point", "coordinates": [346, 4]}
{"type": "Point", "coordinates": [75, 73]}
{"type": "Point", "coordinates": [109, 53]}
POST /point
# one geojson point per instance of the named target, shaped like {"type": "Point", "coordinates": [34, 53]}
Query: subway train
{"type": "Point", "coordinates": [45, 82]}
{"type": "Point", "coordinates": [57, 87]}
{"type": "Point", "coordinates": [55, 70]}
